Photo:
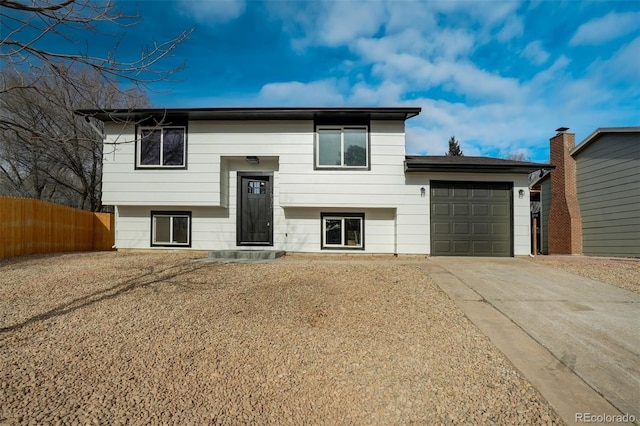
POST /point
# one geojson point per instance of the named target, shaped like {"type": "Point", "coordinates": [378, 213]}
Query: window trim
{"type": "Point", "coordinates": [172, 214]}
{"type": "Point", "coordinates": [342, 216]}
{"type": "Point", "coordinates": [341, 127]}
{"type": "Point", "coordinates": [161, 128]}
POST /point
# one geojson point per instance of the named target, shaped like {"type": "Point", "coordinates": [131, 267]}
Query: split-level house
{"type": "Point", "coordinates": [303, 180]}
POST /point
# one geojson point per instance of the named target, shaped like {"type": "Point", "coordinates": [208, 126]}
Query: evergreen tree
{"type": "Point", "coordinates": [454, 148]}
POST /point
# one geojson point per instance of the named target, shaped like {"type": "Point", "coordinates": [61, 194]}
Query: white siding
{"type": "Point", "coordinates": [295, 229]}
{"type": "Point", "coordinates": [302, 186]}
{"type": "Point", "coordinates": [122, 184]}
{"type": "Point", "coordinates": [414, 213]}
{"type": "Point", "coordinates": [396, 215]}
{"type": "Point", "coordinates": [303, 229]}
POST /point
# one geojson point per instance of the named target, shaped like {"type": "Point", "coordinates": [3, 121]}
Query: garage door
{"type": "Point", "coordinates": [471, 219]}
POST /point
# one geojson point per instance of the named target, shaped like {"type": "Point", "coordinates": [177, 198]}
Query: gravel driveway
{"type": "Point", "coordinates": [149, 338]}
{"type": "Point", "coordinates": [618, 271]}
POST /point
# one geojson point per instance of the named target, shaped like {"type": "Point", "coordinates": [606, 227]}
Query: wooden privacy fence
{"type": "Point", "coordinates": [30, 226]}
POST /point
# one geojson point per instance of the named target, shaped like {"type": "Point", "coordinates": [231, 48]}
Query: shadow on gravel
{"type": "Point", "coordinates": [149, 278]}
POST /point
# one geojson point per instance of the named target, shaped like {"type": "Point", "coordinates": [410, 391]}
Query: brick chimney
{"type": "Point", "coordinates": [565, 222]}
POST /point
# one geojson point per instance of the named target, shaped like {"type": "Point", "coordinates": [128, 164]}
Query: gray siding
{"type": "Point", "coordinates": [545, 200]}
{"type": "Point", "coordinates": [608, 184]}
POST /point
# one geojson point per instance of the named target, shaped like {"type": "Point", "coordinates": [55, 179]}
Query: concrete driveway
{"type": "Point", "coordinates": [577, 340]}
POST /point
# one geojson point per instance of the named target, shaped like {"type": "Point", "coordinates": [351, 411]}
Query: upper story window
{"type": "Point", "coordinates": [161, 147]}
{"type": "Point", "coordinates": [342, 147]}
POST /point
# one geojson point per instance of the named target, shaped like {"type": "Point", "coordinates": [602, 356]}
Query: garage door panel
{"type": "Point", "coordinates": [481, 228]}
{"type": "Point", "coordinates": [441, 209]}
{"type": "Point", "coordinates": [500, 229]}
{"type": "Point", "coordinates": [471, 218]}
{"type": "Point", "coordinates": [460, 209]}
{"type": "Point", "coordinates": [460, 228]}
{"type": "Point", "coordinates": [442, 228]}
{"type": "Point", "coordinates": [501, 194]}
{"type": "Point", "coordinates": [499, 247]}
{"type": "Point", "coordinates": [480, 209]}
{"type": "Point", "coordinates": [481, 248]}
{"type": "Point", "coordinates": [440, 192]}
{"type": "Point", "coordinates": [480, 193]}
{"type": "Point", "coordinates": [442, 246]}
{"type": "Point", "coordinates": [500, 210]}
{"type": "Point", "coordinates": [460, 192]}
{"type": "Point", "coordinates": [461, 247]}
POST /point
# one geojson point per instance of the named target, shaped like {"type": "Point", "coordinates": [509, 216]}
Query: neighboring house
{"type": "Point", "coordinates": [304, 180]}
{"type": "Point", "coordinates": [591, 201]}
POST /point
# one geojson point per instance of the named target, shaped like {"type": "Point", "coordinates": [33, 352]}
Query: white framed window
{"type": "Point", "coordinates": [163, 147]}
{"type": "Point", "coordinates": [342, 147]}
{"type": "Point", "coordinates": [342, 230]}
{"type": "Point", "coordinates": [170, 228]}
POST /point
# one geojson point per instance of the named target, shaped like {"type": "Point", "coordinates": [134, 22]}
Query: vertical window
{"type": "Point", "coordinates": [171, 229]}
{"type": "Point", "coordinates": [342, 147]}
{"type": "Point", "coordinates": [161, 147]}
{"type": "Point", "coordinates": [343, 230]}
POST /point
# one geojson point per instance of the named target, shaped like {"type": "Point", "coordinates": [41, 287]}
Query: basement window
{"type": "Point", "coordinates": [342, 231]}
{"type": "Point", "coordinates": [170, 229]}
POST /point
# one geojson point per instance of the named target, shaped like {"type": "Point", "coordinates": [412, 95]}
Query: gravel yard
{"type": "Point", "coordinates": [620, 272]}
{"type": "Point", "coordinates": [150, 338]}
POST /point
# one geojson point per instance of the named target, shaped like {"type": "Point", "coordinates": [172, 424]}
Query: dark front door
{"type": "Point", "coordinates": [471, 219]}
{"type": "Point", "coordinates": [255, 209]}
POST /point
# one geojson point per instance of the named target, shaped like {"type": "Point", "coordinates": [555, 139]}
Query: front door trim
{"type": "Point", "coordinates": [239, 208]}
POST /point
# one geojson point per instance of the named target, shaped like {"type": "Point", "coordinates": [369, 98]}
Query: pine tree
{"type": "Point", "coordinates": [454, 148]}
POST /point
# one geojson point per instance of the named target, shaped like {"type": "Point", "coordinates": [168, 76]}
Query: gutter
{"type": "Point", "coordinates": [469, 168]}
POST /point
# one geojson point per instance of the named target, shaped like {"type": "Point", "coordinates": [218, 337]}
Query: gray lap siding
{"type": "Point", "coordinates": [608, 184]}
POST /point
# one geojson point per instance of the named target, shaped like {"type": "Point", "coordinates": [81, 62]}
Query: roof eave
{"type": "Point", "coordinates": [301, 113]}
{"type": "Point", "coordinates": [470, 168]}
{"type": "Point", "coordinates": [601, 131]}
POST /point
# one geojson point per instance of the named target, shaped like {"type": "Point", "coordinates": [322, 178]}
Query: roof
{"type": "Point", "coordinates": [442, 163]}
{"type": "Point", "coordinates": [302, 113]}
{"type": "Point", "coordinates": [601, 131]}
{"type": "Point", "coordinates": [537, 181]}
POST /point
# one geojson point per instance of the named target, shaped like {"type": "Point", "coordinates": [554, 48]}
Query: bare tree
{"type": "Point", "coordinates": [517, 156]}
{"type": "Point", "coordinates": [47, 151]}
{"type": "Point", "coordinates": [30, 27]}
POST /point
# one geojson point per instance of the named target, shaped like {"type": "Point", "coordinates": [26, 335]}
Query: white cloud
{"type": "Point", "coordinates": [535, 53]}
{"type": "Point", "coordinates": [607, 28]}
{"type": "Point", "coordinates": [473, 82]}
{"type": "Point", "coordinates": [403, 52]}
{"type": "Point", "coordinates": [346, 21]}
{"type": "Point", "coordinates": [461, 77]}
{"type": "Point", "coordinates": [512, 28]}
{"type": "Point", "coordinates": [500, 128]}
{"type": "Point", "coordinates": [623, 66]}
{"type": "Point", "coordinates": [330, 92]}
{"type": "Point", "coordinates": [555, 74]}
{"type": "Point", "coordinates": [388, 94]}
{"type": "Point", "coordinates": [407, 14]}
{"type": "Point", "coordinates": [338, 23]}
{"type": "Point", "coordinates": [214, 11]}
{"type": "Point", "coordinates": [316, 93]}
{"type": "Point", "coordinates": [327, 22]}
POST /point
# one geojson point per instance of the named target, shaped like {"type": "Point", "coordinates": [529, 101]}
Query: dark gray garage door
{"type": "Point", "coordinates": [471, 219]}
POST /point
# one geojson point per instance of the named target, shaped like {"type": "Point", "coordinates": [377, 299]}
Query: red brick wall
{"type": "Point", "coordinates": [565, 222]}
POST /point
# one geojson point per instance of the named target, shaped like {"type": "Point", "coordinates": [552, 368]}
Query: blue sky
{"type": "Point", "coordinates": [499, 75]}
